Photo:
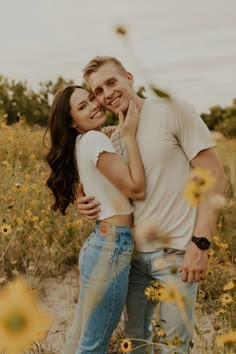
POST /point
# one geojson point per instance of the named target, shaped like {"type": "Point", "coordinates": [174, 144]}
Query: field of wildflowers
{"type": "Point", "coordinates": [35, 241]}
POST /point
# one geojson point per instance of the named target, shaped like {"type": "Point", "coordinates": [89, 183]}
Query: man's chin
{"type": "Point", "coordinates": [118, 109]}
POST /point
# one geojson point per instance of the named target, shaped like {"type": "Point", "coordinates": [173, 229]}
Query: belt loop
{"type": "Point", "coordinates": [107, 229]}
{"type": "Point", "coordinates": [114, 233]}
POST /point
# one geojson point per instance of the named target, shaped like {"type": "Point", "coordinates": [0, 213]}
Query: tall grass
{"type": "Point", "coordinates": [39, 242]}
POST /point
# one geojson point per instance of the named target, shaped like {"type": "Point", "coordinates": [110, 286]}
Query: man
{"type": "Point", "coordinates": [172, 140]}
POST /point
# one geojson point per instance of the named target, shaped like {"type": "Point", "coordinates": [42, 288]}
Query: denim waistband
{"type": "Point", "coordinates": [107, 229]}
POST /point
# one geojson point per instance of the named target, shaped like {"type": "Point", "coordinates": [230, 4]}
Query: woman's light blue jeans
{"type": "Point", "coordinates": [104, 263]}
{"type": "Point", "coordinates": [162, 265]}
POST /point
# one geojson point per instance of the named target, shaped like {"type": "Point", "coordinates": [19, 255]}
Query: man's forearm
{"type": "Point", "coordinates": [208, 212]}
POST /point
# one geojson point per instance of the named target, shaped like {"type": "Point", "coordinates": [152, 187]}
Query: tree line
{"type": "Point", "coordinates": [17, 99]}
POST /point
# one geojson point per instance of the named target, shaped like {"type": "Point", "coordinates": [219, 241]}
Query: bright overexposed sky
{"type": "Point", "coordinates": [185, 46]}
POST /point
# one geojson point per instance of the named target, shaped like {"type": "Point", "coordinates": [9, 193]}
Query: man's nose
{"type": "Point", "coordinates": [108, 91]}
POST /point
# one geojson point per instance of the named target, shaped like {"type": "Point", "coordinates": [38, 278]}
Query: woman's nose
{"type": "Point", "coordinates": [93, 104]}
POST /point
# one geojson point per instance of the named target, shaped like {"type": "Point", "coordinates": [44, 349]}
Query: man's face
{"type": "Point", "coordinates": [111, 87]}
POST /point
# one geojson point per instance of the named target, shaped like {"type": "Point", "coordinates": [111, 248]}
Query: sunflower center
{"type": "Point", "coordinates": [15, 322]}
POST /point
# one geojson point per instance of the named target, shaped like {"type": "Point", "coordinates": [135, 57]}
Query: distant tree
{"type": "Point", "coordinates": [222, 119]}
{"type": "Point", "coordinates": [16, 100]}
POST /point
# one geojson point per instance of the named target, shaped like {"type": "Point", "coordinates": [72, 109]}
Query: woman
{"type": "Point", "coordinates": [80, 151]}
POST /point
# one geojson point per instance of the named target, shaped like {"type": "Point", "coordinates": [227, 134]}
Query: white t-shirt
{"type": "Point", "coordinates": [87, 149]}
{"type": "Point", "coordinates": [170, 135]}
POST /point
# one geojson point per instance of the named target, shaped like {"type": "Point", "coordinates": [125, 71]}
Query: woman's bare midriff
{"type": "Point", "coordinates": [121, 220]}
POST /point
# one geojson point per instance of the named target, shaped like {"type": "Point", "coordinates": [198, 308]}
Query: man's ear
{"type": "Point", "coordinates": [130, 78]}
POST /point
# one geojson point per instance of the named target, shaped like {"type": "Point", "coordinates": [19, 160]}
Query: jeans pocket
{"type": "Point", "coordinates": [126, 247]}
{"type": "Point", "coordinates": [97, 262]}
{"type": "Point", "coordinates": [102, 242]}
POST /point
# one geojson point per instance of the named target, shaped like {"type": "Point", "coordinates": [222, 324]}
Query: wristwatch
{"type": "Point", "coordinates": [201, 242]}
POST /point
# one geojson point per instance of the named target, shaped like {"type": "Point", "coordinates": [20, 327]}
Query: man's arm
{"type": "Point", "coordinates": [195, 261]}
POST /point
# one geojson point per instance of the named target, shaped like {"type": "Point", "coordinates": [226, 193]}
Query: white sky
{"type": "Point", "coordinates": [185, 46]}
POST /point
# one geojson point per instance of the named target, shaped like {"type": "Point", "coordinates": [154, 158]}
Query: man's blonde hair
{"type": "Point", "coordinates": [98, 61]}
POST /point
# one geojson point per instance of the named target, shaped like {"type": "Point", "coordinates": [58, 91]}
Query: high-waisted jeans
{"type": "Point", "coordinates": [104, 263]}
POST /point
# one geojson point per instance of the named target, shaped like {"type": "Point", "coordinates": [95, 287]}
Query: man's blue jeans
{"type": "Point", "coordinates": [104, 263]}
{"type": "Point", "coordinates": [162, 265]}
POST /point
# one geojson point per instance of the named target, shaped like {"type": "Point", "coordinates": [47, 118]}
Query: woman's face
{"type": "Point", "coordinates": [85, 111]}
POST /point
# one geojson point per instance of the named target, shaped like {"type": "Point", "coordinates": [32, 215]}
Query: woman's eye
{"type": "Point", "coordinates": [82, 107]}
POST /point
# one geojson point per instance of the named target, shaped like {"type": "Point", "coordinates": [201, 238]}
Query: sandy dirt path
{"type": "Point", "coordinates": [60, 295]}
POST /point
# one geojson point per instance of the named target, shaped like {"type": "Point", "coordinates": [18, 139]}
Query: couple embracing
{"type": "Point", "coordinates": [133, 177]}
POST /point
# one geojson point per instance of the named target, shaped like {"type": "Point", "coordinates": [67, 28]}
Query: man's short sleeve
{"type": "Point", "coordinates": [189, 129]}
{"type": "Point", "coordinates": [96, 143]}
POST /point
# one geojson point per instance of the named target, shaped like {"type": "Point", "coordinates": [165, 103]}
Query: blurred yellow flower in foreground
{"type": "Point", "coordinates": [226, 338]}
{"type": "Point", "coordinates": [200, 181]}
{"type": "Point", "coordinates": [202, 177]}
{"type": "Point", "coordinates": [170, 293]}
{"type": "Point", "coordinates": [192, 194]}
{"type": "Point", "coordinates": [126, 345]}
{"type": "Point", "coordinates": [121, 30]}
{"type": "Point", "coordinates": [22, 321]}
{"type": "Point", "coordinates": [5, 229]}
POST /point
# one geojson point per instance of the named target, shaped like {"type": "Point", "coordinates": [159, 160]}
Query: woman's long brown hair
{"type": "Point", "coordinates": [64, 177]}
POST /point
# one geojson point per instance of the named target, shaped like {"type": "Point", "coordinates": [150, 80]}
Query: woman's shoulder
{"type": "Point", "coordinates": [92, 137]}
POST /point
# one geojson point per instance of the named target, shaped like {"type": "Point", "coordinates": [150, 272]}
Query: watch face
{"type": "Point", "coordinates": [204, 243]}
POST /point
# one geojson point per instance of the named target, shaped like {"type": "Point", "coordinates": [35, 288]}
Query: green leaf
{"type": "Point", "coordinates": [159, 92]}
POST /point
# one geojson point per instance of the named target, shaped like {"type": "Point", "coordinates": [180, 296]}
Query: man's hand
{"type": "Point", "coordinates": [194, 264]}
{"type": "Point", "coordinates": [86, 205]}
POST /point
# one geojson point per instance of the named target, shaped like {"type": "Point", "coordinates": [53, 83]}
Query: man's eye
{"type": "Point", "coordinates": [98, 92]}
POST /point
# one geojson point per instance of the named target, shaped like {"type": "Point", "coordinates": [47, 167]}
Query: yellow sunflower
{"type": "Point", "coordinates": [19, 221]}
{"type": "Point", "coordinates": [226, 299]}
{"type": "Point", "coordinates": [161, 333]}
{"type": "Point", "coordinates": [220, 312]}
{"type": "Point", "coordinates": [156, 284]}
{"type": "Point", "coordinates": [175, 341]}
{"type": "Point", "coordinates": [152, 293]}
{"type": "Point", "coordinates": [229, 286]}
{"type": "Point", "coordinates": [5, 229]}
{"type": "Point", "coordinates": [22, 321]}
{"type": "Point", "coordinates": [226, 338]}
{"type": "Point", "coordinates": [126, 345]}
